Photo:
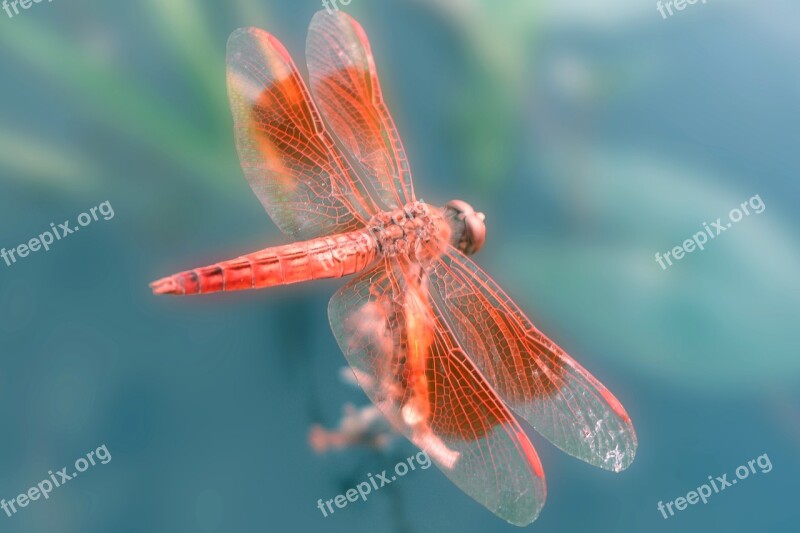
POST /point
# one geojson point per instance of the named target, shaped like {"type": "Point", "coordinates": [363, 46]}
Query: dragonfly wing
{"type": "Point", "coordinates": [345, 84]}
{"type": "Point", "coordinates": [536, 378]}
{"type": "Point", "coordinates": [412, 367]}
{"type": "Point", "coordinates": [291, 162]}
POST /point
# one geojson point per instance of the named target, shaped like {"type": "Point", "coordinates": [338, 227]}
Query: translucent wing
{"type": "Point", "coordinates": [412, 367]}
{"type": "Point", "coordinates": [291, 162]}
{"type": "Point", "coordinates": [345, 84]}
{"type": "Point", "coordinates": [532, 375]}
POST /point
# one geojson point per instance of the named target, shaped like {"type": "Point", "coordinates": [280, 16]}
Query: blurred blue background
{"type": "Point", "coordinates": [593, 135]}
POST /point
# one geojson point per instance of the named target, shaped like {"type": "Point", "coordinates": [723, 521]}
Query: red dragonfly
{"type": "Point", "coordinates": [434, 342]}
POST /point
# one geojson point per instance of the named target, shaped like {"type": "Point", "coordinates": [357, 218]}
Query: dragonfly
{"type": "Point", "coordinates": [444, 353]}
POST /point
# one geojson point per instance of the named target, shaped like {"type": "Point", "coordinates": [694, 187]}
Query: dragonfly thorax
{"type": "Point", "coordinates": [417, 231]}
{"type": "Point", "coordinates": [420, 231]}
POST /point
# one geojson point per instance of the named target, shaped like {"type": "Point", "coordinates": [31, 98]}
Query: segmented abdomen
{"type": "Point", "coordinates": [325, 257]}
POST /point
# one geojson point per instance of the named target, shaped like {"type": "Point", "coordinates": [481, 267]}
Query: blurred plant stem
{"type": "Point", "coordinates": [500, 40]}
{"type": "Point", "coordinates": [44, 163]}
{"type": "Point", "coordinates": [186, 30]}
{"type": "Point", "coordinates": [110, 95]}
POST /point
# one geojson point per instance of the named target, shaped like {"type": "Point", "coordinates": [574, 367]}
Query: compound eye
{"type": "Point", "coordinates": [461, 208]}
{"type": "Point", "coordinates": [476, 233]}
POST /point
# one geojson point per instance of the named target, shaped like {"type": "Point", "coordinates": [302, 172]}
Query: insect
{"type": "Point", "coordinates": [434, 342]}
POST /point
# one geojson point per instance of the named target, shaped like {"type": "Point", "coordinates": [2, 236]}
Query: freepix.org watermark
{"type": "Point", "coordinates": [665, 6]}
{"type": "Point", "coordinates": [9, 5]}
{"type": "Point", "coordinates": [333, 5]}
{"type": "Point", "coordinates": [43, 489]}
{"type": "Point", "coordinates": [717, 484]}
{"type": "Point", "coordinates": [699, 239]}
{"type": "Point", "coordinates": [56, 233]}
{"type": "Point", "coordinates": [376, 483]}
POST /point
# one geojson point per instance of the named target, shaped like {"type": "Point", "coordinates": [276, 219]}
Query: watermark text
{"type": "Point", "coordinates": [717, 484]}
{"type": "Point", "coordinates": [665, 7]}
{"type": "Point", "coordinates": [56, 233]}
{"type": "Point", "coordinates": [55, 480]}
{"type": "Point", "coordinates": [699, 239]}
{"type": "Point", "coordinates": [375, 482]}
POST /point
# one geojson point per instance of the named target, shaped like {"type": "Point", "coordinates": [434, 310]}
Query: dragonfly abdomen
{"type": "Point", "coordinates": [332, 256]}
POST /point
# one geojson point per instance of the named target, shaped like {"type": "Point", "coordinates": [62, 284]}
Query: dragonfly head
{"type": "Point", "coordinates": [468, 227]}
